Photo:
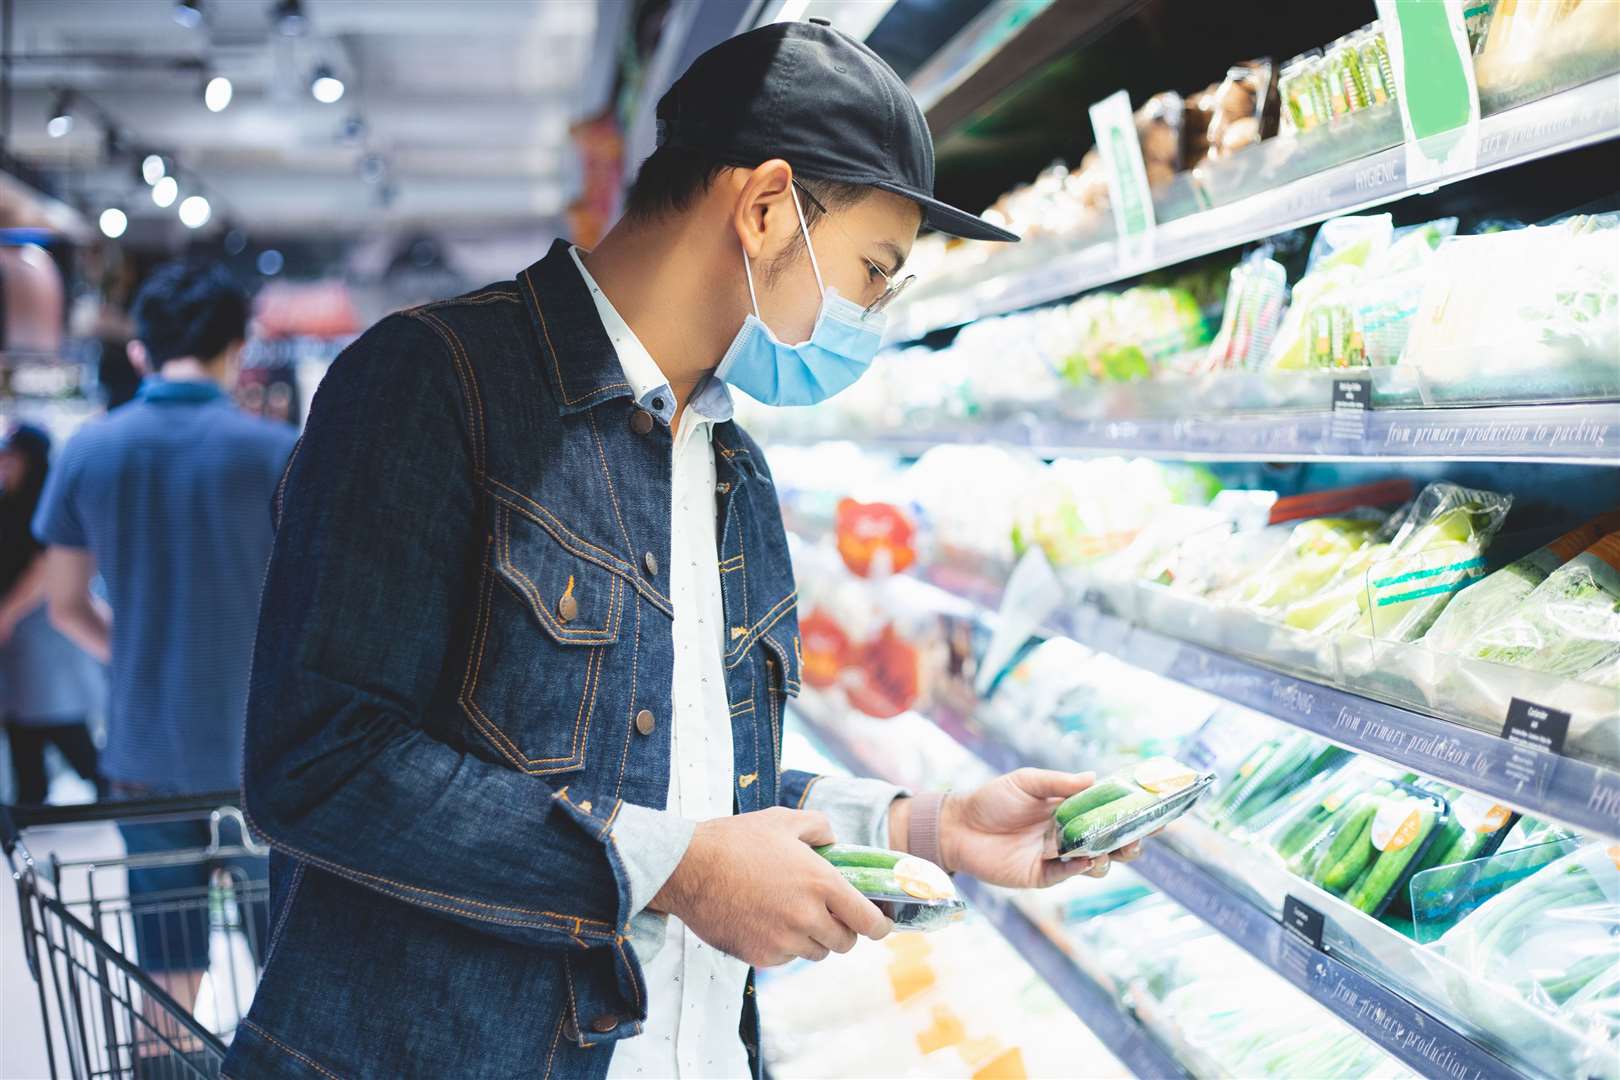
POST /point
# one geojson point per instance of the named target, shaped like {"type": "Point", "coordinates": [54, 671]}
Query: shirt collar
{"type": "Point", "coordinates": [710, 401]}
{"type": "Point", "coordinates": [180, 391]}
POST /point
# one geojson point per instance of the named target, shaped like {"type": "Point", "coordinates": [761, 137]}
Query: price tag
{"type": "Point", "coordinates": [1433, 67]}
{"type": "Point", "coordinates": [1128, 193]}
{"type": "Point", "coordinates": [1535, 735]}
{"type": "Point", "coordinates": [1303, 921]}
{"type": "Point", "coordinates": [1351, 397]}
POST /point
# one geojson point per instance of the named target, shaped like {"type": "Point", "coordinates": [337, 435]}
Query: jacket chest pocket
{"type": "Point", "coordinates": [548, 618]}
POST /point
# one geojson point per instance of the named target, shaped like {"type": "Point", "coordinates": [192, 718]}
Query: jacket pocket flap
{"type": "Point", "coordinates": [574, 600]}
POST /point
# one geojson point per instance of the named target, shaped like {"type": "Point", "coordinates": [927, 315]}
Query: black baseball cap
{"type": "Point", "coordinates": [823, 102]}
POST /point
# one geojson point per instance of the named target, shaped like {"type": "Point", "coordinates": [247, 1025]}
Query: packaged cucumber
{"type": "Point", "coordinates": [1268, 777]}
{"type": "Point", "coordinates": [1474, 830]}
{"type": "Point", "coordinates": [1378, 839]}
{"type": "Point", "coordinates": [1126, 806]}
{"type": "Point", "coordinates": [914, 893]}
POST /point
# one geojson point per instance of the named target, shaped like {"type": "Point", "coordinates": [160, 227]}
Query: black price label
{"type": "Point", "coordinates": [1303, 921]}
{"type": "Point", "coordinates": [1535, 735]}
{"type": "Point", "coordinates": [1351, 400]}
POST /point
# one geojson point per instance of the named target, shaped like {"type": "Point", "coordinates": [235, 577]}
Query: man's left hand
{"type": "Point", "coordinates": [1000, 833]}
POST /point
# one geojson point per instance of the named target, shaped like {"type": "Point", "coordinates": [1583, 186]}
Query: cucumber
{"type": "Point", "coordinates": [872, 881]}
{"type": "Point", "coordinates": [1354, 818]}
{"type": "Point", "coordinates": [842, 855]}
{"type": "Point", "coordinates": [1569, 983]}
{"type": "Point", "coordinates": [1094, 821]}
{"type": "Point", "coordinates": [1305, 861]}
{"type": "Point", "coordinates": [1388, 867]}
{"type": "Point", "coordinates": [1248, 772]}
{"type": "Point", "coordinates": [1098, 794]}
{"type": "Point", "coordinates": [1338, 874]}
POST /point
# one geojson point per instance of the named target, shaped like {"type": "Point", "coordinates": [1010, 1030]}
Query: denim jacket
{"type": "Point", "coordinates": [462, 672]}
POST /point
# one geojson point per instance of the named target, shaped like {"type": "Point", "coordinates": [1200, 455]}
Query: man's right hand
{"type": "Point", "coordinates": [752, 886]}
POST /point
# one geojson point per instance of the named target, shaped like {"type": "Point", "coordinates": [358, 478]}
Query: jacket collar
{"type": "Point", "coordinates": [577, 355]}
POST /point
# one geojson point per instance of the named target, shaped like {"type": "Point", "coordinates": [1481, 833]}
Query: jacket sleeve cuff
{"type": "Point", "coordinates": [650, 843]}
{"type": "Point", "coordinates": [857, 808]}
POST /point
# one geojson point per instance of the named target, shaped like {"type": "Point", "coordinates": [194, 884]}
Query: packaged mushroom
{"type": "Point", "coordinates": [1243, 109]}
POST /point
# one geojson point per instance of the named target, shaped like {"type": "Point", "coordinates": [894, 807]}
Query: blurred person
{"type": "Point", "coordinates": [529, 626]}
{"type": "Point", "coordinates": [49, 687]}
{"type": "Point", "coordinates": [168, 499]}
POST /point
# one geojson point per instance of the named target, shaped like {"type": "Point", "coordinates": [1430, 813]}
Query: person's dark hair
{"type": "Point", "coordinates": [189, 309]}
{"type": "Point", "coordinates": [672, 178]}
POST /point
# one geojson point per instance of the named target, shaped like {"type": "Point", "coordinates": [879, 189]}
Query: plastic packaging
{"type": "Point", "coordinates": [914, 893]}
{"type": "Point", "coordinates": [1498, 596]}
{"type": "Point", "coordinates": [1254, 305]}
{"type": "Point", "coordinates": [1275, 770]}
{"type": "Point", "coordinates": [1569, 625]}
{"type": "Point", "coordinates": [1376, 841]}
{"type": "Point", "coordinates": [1238, 109]}
{"type": "Point", "coordinates": [1442, 896]}
{"type": "Point", "coordinates": [1126, 806]}
{"type": "Point", "coordinates": [1304, 97]}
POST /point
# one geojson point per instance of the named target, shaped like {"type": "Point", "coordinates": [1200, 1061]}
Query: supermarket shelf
{"type": "Point", "coordinates": [1555, 124]}
{"type": "Point", "coordinates": [1575, 434]}
{"type": "Point", "coordinates": [1118, 1030]}
{"type": "Point", "coordinates": [1575, 792]}
{"type": "Point", "coordinates": [1399, 1026]}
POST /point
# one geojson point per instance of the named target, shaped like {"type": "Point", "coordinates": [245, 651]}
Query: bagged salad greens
{"type": "Point", "coordinates": [914, 893]}
{"type": "Point", "coordinates": [1500, 595]}
{"type": "Point", "coordinates": [1315, 552]}
{"type": "Point", "coordinates": [1126, 806]}
{"type": "Point", "coordinates": [1551, 942]}
{"type": "Point", "coordinates": [1569, 625]}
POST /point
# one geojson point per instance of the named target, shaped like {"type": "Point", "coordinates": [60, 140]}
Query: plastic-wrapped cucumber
{"type": "Point", "coordinates": [1126, 806]}
{"type": "Point", "coordinates": [914, 893]}
{"type": "Point", "coordinates": [1371, 894]}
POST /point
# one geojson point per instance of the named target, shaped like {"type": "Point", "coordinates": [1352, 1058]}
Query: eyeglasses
{"type": "Point", "coordinates": [893, 286]}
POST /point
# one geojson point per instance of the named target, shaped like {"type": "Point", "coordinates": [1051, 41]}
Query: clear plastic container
{"type": "Point", "coordinates": [914, 893]}
{"type": "Point", "coordinates": [1125, 806]}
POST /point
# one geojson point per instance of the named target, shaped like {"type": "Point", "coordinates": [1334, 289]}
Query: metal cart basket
{"type": "Point", "coordinates": [140, 983]}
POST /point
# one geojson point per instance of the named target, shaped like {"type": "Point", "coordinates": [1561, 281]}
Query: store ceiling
{"type": "Point", "coordinates": [466, 104]}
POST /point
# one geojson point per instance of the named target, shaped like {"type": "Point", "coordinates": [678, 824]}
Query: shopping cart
{"type": "Point", "coordinates": [108, 1010]}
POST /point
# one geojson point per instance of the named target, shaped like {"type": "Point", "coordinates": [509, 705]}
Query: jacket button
{"type": "Point", "coordinates": [645, 722]}
{"type": "Point", "coordinates": [641, 421]}
{"type": "Point", "coordinates": [604, 1024]}
{"type": "Point", "coordinates": [723, 488]}
{"type": "Point", "coordinates": [567, 607]}
{"type": "Point", "coordinates": [649, 563]}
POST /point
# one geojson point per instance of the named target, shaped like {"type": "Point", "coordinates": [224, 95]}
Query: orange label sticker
{"type": "Point", "coordinates": [945, 1030]}
{"type": "Point", "coordinates": [1613, 851]}
{"type": "Point", "coordinates": [1163, 775]}
{"type": "Point", "coordinates": [910, 976]}
{"type": "Point", "coordinates": [1332, 803]}
{"type": "Point", "coordinates": [1478, 814]}
{"type": "Point", "coordinates": [1007, 1065]}
{"type": "Point", "coordinates": [1395, 826]}
{"type": "Point", "coordinates": [922, 879]}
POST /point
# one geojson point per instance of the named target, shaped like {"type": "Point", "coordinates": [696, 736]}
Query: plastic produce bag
{"type": "Point", "coordinates": [1126, 806]}
{"type": "Point", "coordinates": [1239, 108]}
{"type": "Point", "coordinates": [1316, 551]}
{"type": "Point", "coordinates": [1254, 305]}
{"type": "Point", "coordinates": [1500, 595]}
{"type": "Point", "coordinates": [1550, 941]}
{"type": "Point", "coordinates": [1378, 838]}
{"type": "Point", "coordinates": [1386, 300]}
{"type": "Point", "coordinates": [914, 893]}
{"type": "Point", "coordinates": [1569, 625]}
{"type": "Point", "coordinates": [1275, 770]}
{"type": "Point", "coordinates": [1442, 896]}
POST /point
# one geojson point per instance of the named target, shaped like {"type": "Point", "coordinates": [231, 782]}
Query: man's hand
{"type": "Point", "coordinates": [751, 886]}
{"type": "Point", "coordinates": [1000, 832]}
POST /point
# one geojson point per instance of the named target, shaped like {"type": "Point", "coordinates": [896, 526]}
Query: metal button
{"type": "Point", "coordinates": [723, 487]}
{"type": "Point", "coordinates": [641, 421]}
{"type": "Point", "coordinates": [645, 722]}
{"type": "Point", "coordinates": [658, 403]}
{"type": "Point", "coordinates": [604, 1024]}
{"type": "Point", "coordinates": [649, 563]}
{"type": "Point", "coordinates": [567, 607]}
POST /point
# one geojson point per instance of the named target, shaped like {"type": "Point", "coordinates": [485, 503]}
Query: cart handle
{"type": "Point", "coordinates": [14, 818]}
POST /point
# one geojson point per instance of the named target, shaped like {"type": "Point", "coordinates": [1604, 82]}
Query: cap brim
{"type": "Point", "coordinates": [949, 220]}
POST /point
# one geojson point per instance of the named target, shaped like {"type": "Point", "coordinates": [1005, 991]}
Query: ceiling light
{"type": "Point", "coordinates": [165, 191]}
{"type": "Point", "coordinates": [289, 18]}
{"type": "Point", "coordinates": [270, 262]}
{"type": "Point", "coordinates": [61, 121]}
{"type": "Point", "coordinates": [113, 222]}
{"type": "Point", "coordinates": [188, 13]}
{"type": "Point", "coordinates": [217, 93]}
{"type": "Point", "coordinates": [153, 168]}
{"type": "Point", "coordinates": [326, 87]}
{"type": "Point", "coordinates": [194, 212]}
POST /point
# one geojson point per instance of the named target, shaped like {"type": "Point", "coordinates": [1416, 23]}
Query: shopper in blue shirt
{"type": "Point", "coordinates": [168, 499]}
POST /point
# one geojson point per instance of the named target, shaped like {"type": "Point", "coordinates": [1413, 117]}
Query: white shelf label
{"type": "Point", "coordinates": [1128, 192]}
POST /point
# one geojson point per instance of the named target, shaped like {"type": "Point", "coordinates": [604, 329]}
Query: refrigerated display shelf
{"type": "Point", "coordinates": [1560, 122]}
{"type": "Point", "coordinates": [1119, 1031]}
{"type": "Point", "coordinates": [1585, 433]}
{"type": "Point", "coordinates": [1401, 1027]}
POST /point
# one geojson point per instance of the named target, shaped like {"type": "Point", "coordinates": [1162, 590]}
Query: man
{"type": "Point", "coordinates": [167, 499]}
{"type": "Point", "coordinates": [528, 631]}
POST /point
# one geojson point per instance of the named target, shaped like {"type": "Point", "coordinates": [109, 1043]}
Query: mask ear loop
{"type": "Point", "coordinates": [808, 246]}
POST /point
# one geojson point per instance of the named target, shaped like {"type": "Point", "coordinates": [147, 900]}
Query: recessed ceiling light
{"type": "Point", "coordinates": [217, 93]}
{"type": "Point", "coordinates": [113, 222]}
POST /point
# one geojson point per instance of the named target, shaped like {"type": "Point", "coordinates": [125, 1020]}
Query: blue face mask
{"type": "Point", "coordinates": [840, 349]}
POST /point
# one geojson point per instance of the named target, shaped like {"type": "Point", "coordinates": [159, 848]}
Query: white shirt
{"type": "Point", "coordinates": [694, 991]}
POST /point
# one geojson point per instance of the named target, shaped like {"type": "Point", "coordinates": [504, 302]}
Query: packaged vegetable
{"type": "Point", "coordinates": [1254, 305]}
{"type": "Point", "coordinates": [1303, 92]}
{"type": "Point", "coordinates": [1315, 552]}
{"type": "Point", "coordinates": [1377, 840]}
{"type": "Point", "coordinates": [1126, 806]}
{"type": "Point", "coordinates": [1275, 773]}
{"type": "Point", "coordinates": [1498, 596]}
{"type": "Point", "coordinates": [1569, 625]}
{"type": "Point", "coordinates": [1386, 300]}
{"type": "Point", "coordinates": [1239, 108]}
{"type": "Point", "coordinates": [914, 893]}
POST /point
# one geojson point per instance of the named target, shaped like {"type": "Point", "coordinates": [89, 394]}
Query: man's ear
{"type": "Point", "coordinates": [762, 200]}
{"type": "Point", "coordinates": [139, 358]}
